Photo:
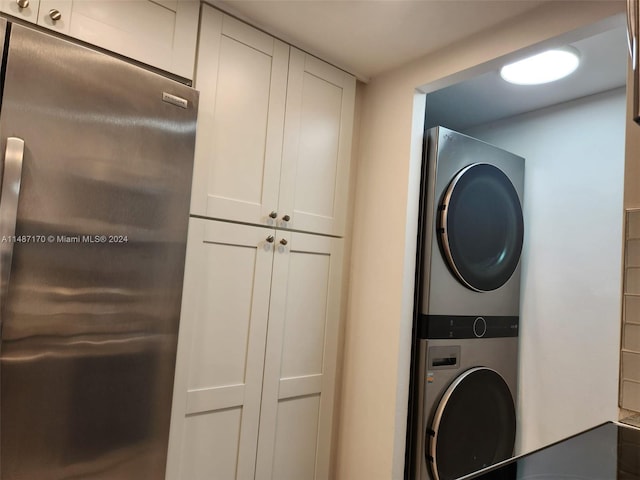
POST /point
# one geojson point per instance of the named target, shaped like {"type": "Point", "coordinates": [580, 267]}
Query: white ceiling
{"type": "Point", "coordinates": [367, 37]}
{"type": "Point", "coordinates": [486, 98]}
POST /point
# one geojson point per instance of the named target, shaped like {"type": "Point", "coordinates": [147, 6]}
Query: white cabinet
{"type": "Point", "coordinates": [221, 346]}
{"type": "Point", "coordinates": [317, 145]}
{"type": "Point", "coordinates": [256, 355]}
{"type": "Point", "coordinates": [242, 78]}
{"type": "Point", "coordinates": [55, 15]}
{"type": "Point", "coordinates": [300, 360]}
{"type": "Point", "coordinates": [52, 14]}
{"type": "Point", "coordinates": [25, 9]}
{"type": "Point", "coordinates": [160, 33]}
{"type": "Point", "coordinates": [274, 131]}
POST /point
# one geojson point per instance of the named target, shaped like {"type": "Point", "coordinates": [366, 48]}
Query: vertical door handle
{"type": "Point", "coordinates": [632, 37]}
{"type": "Point", "coordinates": [631, 30]}
{"type": "Point", "coordinates": [11, 179]}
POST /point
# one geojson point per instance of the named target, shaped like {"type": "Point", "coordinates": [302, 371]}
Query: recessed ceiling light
{"type": "Point", "coordinates": [542, 68]}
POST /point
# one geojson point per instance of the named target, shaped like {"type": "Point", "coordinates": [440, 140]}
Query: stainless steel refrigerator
{"type": "Point", "coordinates": [97, 160]}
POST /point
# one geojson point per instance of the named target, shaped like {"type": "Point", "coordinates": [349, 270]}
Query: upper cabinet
{"type": "Point", "coordinates": [317, 146]}
{"type": "Point", "coordinates": [274, 131]}
{"type": "Point", "coordinates": [25, 9]}
{"type": "Point", "coordinates": [162, 33]}
{"type": "Point", "coordinates": [55, 15]}
{"type": "Point", "coordinates": [242, 78]}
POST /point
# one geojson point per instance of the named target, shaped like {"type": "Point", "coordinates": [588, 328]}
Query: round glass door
{"type": "Point", "coordinates": [481, 227]}
{"type": "Point", "coordinates": [474, 425]}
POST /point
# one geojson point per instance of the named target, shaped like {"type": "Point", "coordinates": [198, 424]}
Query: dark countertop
{"type": "Point", "coordinates": [606, 452]}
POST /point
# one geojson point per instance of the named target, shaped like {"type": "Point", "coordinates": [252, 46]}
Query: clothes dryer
{"type": "Point", "coordinates": [473, 228]}
{"type": "Point", "coordinates": [465, 368]}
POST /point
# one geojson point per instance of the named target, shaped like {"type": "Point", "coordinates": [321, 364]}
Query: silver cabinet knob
{"type": "Point", "coordinates": [270, 238]}
{"type": "Point", "coordinates": [55, 15]}
{"type": "Point", "coordinates": [286, 218]}
{"type": "Point", "coordinates": [283, 241]}
{"type": "Point", "coordinates": [273, 214]}
{"type": "Point", "coordinates": [22, 3]}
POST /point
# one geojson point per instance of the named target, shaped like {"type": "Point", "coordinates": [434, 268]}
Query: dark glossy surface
{"type": "Point", "coordinates": [606, 452]}
{"type": "Point", "coordinates": [476, 425]}
{"type": "Point", "coordinates": [483, 228]}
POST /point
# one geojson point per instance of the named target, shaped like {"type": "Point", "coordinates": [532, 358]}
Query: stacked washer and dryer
{"type": "Point", "coordinates": [467, 332]}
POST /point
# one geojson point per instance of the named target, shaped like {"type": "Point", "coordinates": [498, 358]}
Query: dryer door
{"type": "Point", "coordinates": [474, 425]}
{"type": "Point", "coordinates": [481, 227]}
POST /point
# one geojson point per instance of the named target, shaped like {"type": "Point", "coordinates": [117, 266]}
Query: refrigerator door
{"type": "Point", "coordinates": [90, 317]}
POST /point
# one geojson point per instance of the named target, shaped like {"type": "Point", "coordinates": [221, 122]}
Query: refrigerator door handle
{"type": "Point", "coordinates": [631, 34]}
{"type": "Point", "coordinates": [11, 179]}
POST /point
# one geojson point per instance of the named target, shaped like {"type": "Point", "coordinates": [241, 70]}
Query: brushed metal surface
{"type": "Point", "coordinates": [441, 292]}
{"type": "Point", "coordinates": [55, 14]}
{"type": "Point", "coordinates": [11, 182]}
{"type": "Point", "coordinates": [630, 31]}
{"type": "Point", "coordinates": [91, 319]}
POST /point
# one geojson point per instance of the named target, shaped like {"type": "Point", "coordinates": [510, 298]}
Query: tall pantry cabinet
{"type": "Point", "coordinates": [256, 367]}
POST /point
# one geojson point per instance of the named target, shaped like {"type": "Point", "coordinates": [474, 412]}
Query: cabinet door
{"type": "Point", "coordinates": [317, 146]}
{"type": "Point", "coordinates": [300, 363]}
{"type": "Point", "coordinates": [28, 13]}
{"type": "Point", "coordinates": [162, 33]}
{"type": "Point", "coordinates": [242, 78]}
{"type": "Point", "coordinates": [55, 15]}
{"type": "Point", "coordinates": [218, 384]}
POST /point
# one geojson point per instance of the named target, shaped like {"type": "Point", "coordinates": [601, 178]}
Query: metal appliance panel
{"type": "Point", "coordinates": [499, 354]}
{"type": "Point", "coordinates": [90, 318]}
{"type": "Point", "coordinates": [448, 152]}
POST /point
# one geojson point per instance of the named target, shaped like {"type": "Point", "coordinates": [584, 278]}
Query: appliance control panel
{"type": "Point", "coordinates": [467, 326]}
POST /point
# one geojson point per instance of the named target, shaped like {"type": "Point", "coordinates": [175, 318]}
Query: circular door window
{"type": "Point", "coordinates": [474, 425]}
{"type": "Point", "coordinates": [481, 227]}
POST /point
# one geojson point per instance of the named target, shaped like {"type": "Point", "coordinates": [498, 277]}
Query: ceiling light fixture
{"type": "Point", "coordinates": [544, 67]}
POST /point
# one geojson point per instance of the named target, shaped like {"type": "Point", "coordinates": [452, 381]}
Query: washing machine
{"type": "Point", "coordinates": [466, 360]}
{"type": "Point", "coordinates": [468, 419]}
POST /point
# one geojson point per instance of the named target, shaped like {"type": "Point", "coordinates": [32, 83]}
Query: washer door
{"type": "Point", "coordinates": [481, 227]}
{"type": "Point", "coordinates": [474, 425]}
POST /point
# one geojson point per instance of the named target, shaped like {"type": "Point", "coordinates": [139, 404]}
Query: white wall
{"type": "Point", "coordinates": [378, 329]}
{"type": "Point", "coordinates": [571, 263]}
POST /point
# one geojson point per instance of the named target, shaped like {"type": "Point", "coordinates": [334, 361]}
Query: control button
{"type": "Point", "coordinates": [479, 327]}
